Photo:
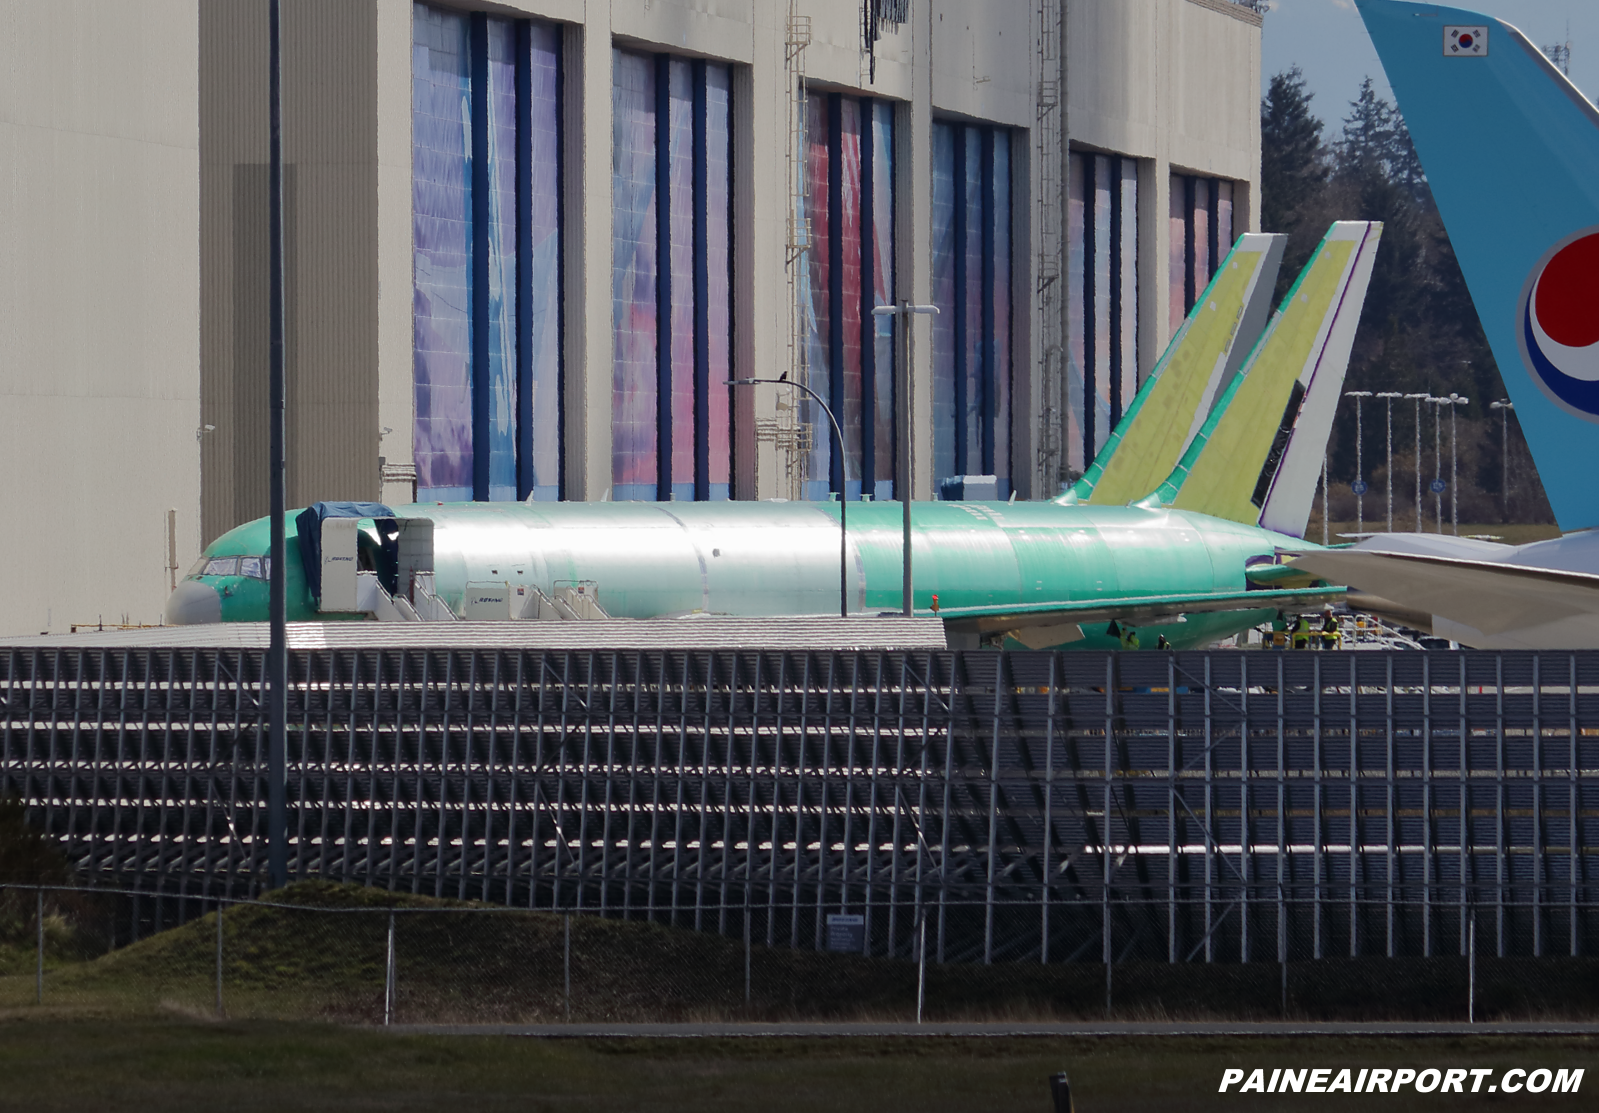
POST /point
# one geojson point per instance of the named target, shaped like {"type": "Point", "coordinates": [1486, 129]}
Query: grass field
{"type": "Point", "coordinates": [133, 1029]}
{"type": "Point", "coordinates": [178, 1064]}
{"type": "Point", "coordinates": [319, 955]}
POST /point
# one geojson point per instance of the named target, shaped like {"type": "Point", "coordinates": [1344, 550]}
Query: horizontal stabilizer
{"type": "Point", "coordinates": [1489, 604]}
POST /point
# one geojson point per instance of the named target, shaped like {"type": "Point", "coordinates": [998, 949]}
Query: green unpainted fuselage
{"type": "Point", "coordinates": [782, 558]}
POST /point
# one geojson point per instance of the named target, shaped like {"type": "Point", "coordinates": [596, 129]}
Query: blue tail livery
{"type": "Point", "coordinates": [1511, 149]}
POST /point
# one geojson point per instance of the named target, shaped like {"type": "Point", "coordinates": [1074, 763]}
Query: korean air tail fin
{"type": "Point", "coordinates": [1258, 455]}
{"type": "Point", "coordinates": [1171, 406]}
{"type": "Point", "coordinates": [1511, 151]}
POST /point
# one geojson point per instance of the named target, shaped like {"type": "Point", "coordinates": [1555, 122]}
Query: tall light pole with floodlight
{"type": "Point", "coordinates": [903, 312]}
{"type": "Point", "coordinates": [1418, 399]}
{"type": "Point", "coordinates": [1359, 484]}
{"type": "Point", "coordinates": [1504, 406]}
{"type": "Point", "coordinates": [1438, 403]}
{"type": "Point", "coordinates": [1455, 402]}
{"type": "Point", "coordinates": [1388, 396]}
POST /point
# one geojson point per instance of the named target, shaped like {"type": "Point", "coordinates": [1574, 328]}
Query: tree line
{"type": "Point", "coordinates": [1419, 330]}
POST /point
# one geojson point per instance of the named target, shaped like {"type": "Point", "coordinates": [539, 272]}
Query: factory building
{"type": "Point", "coordinates": [528, 244]}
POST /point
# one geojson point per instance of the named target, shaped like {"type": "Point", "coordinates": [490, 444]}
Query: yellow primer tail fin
{"type": "Point", "coordinates": [1172, 405]}
{"type": "Point", "coordinates": [1250, 461]}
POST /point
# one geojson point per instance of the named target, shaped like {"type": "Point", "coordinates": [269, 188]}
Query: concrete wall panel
{"type": "Point", "coordinates": [99, 348]}
{"type": "Point", "coordinates": [330, 150]}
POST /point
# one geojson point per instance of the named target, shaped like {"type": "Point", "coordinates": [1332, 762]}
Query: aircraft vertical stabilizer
{"type": "Point", "coordinates": [1292, 488]}
{"type": "Point", "coordinates": [1259, 452]}
{"type": "Point", "coordinates": [1171, 406]}
{"type": "Point", "coordinates": [1511, 151]}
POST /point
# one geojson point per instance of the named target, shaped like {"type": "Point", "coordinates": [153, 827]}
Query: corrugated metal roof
{"type": "Point", "coordinates": [698, 632]}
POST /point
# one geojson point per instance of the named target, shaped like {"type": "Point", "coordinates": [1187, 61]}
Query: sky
{"type": "Point", "coordinates": [1328, 41]}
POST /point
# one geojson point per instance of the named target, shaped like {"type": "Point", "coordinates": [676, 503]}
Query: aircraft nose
{"type": "Point", "coordinates": [193, 603]}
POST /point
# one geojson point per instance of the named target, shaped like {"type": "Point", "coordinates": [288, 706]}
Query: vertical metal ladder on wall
{"type": "Point", "coordinates": [791, 438]}
{"type": "Point", "coordinates": [1051, 269]}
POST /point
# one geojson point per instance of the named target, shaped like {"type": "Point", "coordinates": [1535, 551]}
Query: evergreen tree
{"type": "Point", "coordinates": [1293, 169]}
{"type": "Point", "coordinates": [1418, 330]}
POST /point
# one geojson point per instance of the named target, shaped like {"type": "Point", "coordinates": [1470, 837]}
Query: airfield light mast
{"type": "Point", "coordinates": [1504, 406]}
{"type": "Point", "coordinates": [1360, 470]}
{"type": "Point", "coordinates": [905, 310]}
{"type": "Point", "coordinates": [1388, 396]}
{"type": "Point", "coordinates": [278, 648]}
{"type": "Point", "coordinates": [1438, 459]}
{"type": "Point", "coordinates": [1455, 402]}
{"type": "Point", "coordinates": [1418, 399]}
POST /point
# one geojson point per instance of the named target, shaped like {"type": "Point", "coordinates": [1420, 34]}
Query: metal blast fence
{"type": "Point", "coordinates": [1056, 807]}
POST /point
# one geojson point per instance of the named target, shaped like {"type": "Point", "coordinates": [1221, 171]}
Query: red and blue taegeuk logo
{"type": "Point", "coordinates": [1559, 325]}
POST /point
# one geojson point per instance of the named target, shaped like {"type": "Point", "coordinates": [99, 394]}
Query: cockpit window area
{"type": "Point", "coordinates": [253, 567]}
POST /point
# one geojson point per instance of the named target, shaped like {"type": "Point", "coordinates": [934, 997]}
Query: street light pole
{"type": "Point", "coordinates": [843, 499]}
{"type": "Point", "coordinates": [1504, 406]}
{"type": "Point", "coordinates": [1455, 402]}
{"type": "Point", "coordinates": [278, 643]}
{"type": "Point", "coordinates": [1360, 471]}
{"type": "Point", "coordinates": [1418, 399]}
{"type": "Point", "coordinates": [1438, 404]}
{"type": "Point", "coordinates": [1388, 396]}
{"type": "Point", "coordinates": [906, 461]}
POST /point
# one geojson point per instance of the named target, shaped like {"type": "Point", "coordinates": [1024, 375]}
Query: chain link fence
{"type": "Point", "coordinates": [366, 956]}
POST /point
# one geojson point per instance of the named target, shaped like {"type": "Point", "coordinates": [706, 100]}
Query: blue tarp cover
{"type": "Point", "coordinates": [308, 524]}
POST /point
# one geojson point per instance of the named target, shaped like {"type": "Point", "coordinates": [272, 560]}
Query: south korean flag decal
{"type": "Point", "coordinates": [1465, 42]}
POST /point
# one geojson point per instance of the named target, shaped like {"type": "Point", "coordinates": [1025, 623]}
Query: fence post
{"type": "Point", "coordinates": [746, 949]}
{"type": "Point", "coordinates": [567, 996]}
{"type": "Point", "coordinates": [1284, 1009]}
{"type": "Point", "coordinates": [388, 976]}
{"type": "Point", "coordinates": [1108, 967]}
{"type": "Point", "coordinates": [1471, 969]}
{"type": "Point", "coordinates": [39, 919]}
{"type": "Point", "coordinates": [921, 965]}
{"type": "Point", "coordinates": [1282, 920]}
{"type": "Point", "coordinates": [219, 959]}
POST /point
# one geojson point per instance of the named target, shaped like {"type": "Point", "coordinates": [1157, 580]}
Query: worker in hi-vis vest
{"type": "Point", "coordinates": [1301, 632]}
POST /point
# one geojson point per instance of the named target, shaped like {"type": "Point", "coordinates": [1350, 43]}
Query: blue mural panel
{"type": "Point", "coordinates": [971, 260]}
{"type": "Point", "coordinates": [544, 357]}
{"type": "Point", "coordinates": [1001, 346]}
{"type": "Point", "coordinates": [1099, 321]}
{"type": "Point", "coordinates": [441, 226]}
{"type": "Point", "coordinates": [634, 389]}
{"type": "Point", "coordinates": [1127, 291]}
{"type": "Point", "coordinates": [816, 275]}
{"type": "Point", "coordinates": [848, 408]}
{"type": "Point", "coordinates": [719, 287]}
{"type": "Point", "coordinates": [882, 255]}
{"type": "Point", "coordinates": [970, 390]}
{"type": "Point", "coordinates": [1076, 385]}
{"type": "Point", "coordinates": [501, 101]}
{"type": "Point", "coordinates": [943, 214]}
{"type": "Point", "coordinates": [680, 163]}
